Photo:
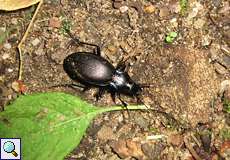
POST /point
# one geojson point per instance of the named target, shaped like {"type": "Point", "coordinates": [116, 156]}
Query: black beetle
{"type": "Point", "coordinates": [92, 70]}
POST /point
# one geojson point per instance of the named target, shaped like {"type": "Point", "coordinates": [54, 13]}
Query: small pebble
{"type": "Point", "coordinates": [15, 86]}
{"type": "Point", "coordinates": [123, 9]}
{"type": "Point", "coordinates": [206, 40]}
{"type": "Point", "coordinates": [9, 97]}
{"type": "Point", "coordinates": [164, 11]}
{"type": "Point", "coordinates": [196, 7]}
{"type": "Point", "coordinates": [199, 23]}
{"type": "Point", "coordinates": [7, 46]}
{"type": "Point", "coordinates": [117, 5]}
{"type": "Point", "coordinates": [174, 22]}
{"type": "Point", "coordinates": [5, 56]}
{"type": "Point", "coordinates": [14, 21]}
{"type": "Point", "coordinates": [149, 9]}
{"type": "Point", "coordinates": [35, 42]}
{"type": "Point", "coordinates": [40, 51]}
{"type": "Point", "coordinates": [10, 70]}
{"type": "Point", "coordinates": [121, 118]}
{"type": "Point", "coordinates": [193, 13]}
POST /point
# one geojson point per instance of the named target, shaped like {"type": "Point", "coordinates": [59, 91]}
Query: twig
{"type": "Point", "coordinates": [23, 40]}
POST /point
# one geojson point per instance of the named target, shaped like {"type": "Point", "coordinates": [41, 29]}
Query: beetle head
{"type": "Point", "coordinates": [135, 89]}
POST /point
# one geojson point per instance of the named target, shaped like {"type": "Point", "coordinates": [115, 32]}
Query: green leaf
{"type": "Point", "coordinates": [173, 34]}
{"type": "Point", "coordinates": [50, 124]}
{"type": "Point", "coordinates": [183, 6]}
{"type": "Point", "coordinates": [170, 37]}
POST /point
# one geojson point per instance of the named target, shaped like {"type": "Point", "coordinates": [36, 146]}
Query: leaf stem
{"type": "Point", "coordinates": [117, 108]}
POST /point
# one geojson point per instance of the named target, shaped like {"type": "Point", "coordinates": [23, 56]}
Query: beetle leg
{"type": "Point", "coordinates": [113, 95]}
{"type": "Point", "coordinates": [72, 85]}
{"type": "Point", "coordinates": [78, 42]}
{"type": "Point", "coordinates": [73, 39]}
{"type": "Point", "coordinates": [121, 67]}
{"type": "Point", "coordinates": [85, 89]}
{"type": "Point", "coordinates": [99, 94]}
{"type": "Point", "coordinates": [123, 103]}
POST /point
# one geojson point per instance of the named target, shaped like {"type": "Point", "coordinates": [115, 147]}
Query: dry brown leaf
{"type": "Point", "coordinates": [11, 5]}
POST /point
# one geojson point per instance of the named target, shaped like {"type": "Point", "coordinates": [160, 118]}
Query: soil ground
{"type": "Point", "coordinates": [190, 77]}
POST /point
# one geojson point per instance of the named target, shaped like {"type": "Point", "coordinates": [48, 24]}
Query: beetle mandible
{"type": "Point", "coordinates": [92, 70]}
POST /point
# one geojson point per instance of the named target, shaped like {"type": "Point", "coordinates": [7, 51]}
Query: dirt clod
{"type": "Point", "coordinates": [127, 148]}
{"type": "Point", "coordinates": [106, 133]}
{"type": "Point", "coordinates": [175, 139]}
{"type": "Point", "coordinates": [54, 22]}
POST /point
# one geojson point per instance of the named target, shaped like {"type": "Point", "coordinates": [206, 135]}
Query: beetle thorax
{"type": "Point", "coordinates": [121, 81]}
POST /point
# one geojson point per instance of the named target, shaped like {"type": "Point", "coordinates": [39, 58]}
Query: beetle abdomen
{"type": "Point", "coordinates": [88, 67]}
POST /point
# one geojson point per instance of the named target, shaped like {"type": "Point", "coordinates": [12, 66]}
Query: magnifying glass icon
{"type": "Point", "coordinates": [9, 147]}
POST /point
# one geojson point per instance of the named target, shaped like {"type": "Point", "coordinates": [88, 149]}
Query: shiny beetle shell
{"type": "Point", "coordinates": [88, 68]}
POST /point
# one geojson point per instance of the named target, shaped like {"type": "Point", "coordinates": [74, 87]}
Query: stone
{"type": "Point", "coordinates": [35, 42]}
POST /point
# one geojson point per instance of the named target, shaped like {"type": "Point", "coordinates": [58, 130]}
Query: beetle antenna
{"type": "Point", "coordinates": [146, 85]}
{"type": "Point", "coordinates": [167, 115]}
{"type": "Point", "coordinates": [141, 102]}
